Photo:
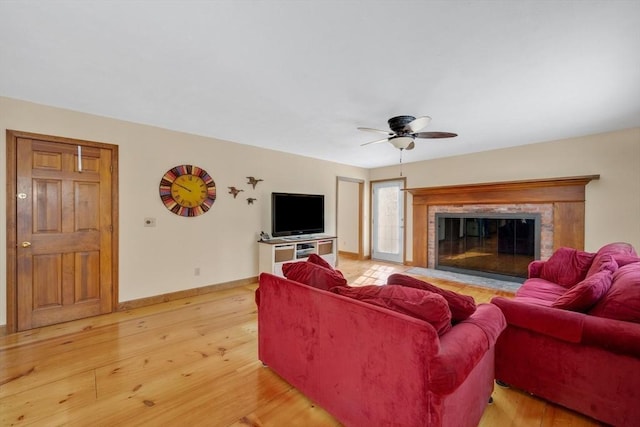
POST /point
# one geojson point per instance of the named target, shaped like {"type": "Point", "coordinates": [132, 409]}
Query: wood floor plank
{"type": "Point", "coordinates": [19, 370]}
{"type": "Point", "coordinates": [558, 416]}
{"type": "Point", "coordinates": [38, 404]}
{"type": "Point", "coordinates": [197, 394]}
{"type": "Point", "coordinates": [22, 376]}
{"type": "Point", "coordinates": [301, 412]}
{"type": "Point", "coordinates": [522, 411]}
{"type": "Point", "coordinates": [231, 396]}
{"type": "Point", "coordinates": [217, 348]}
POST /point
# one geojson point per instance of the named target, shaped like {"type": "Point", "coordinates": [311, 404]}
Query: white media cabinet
{"type": "Point", "coordinates": [276, 252]}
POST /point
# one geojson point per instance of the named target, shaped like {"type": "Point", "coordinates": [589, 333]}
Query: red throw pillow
{"type": "Point", "coordinates": [623, 260]}
{"type": "Point", "coordinates": [602, 262]}
{"type": "Point", "coordinates": [423, 305]}
{"type": "Point", "coordinates": [621, 252]}
{"type": "Point", "coordinates": [585, 294]}
{"type": "Point", "coordinates": [318, 260]}
{"type": "Point", "coordinates": [461, 306]}
{"type": "Point", "coordinates": [567, 266]}
{"type": "Point", "coordinates": [622, 302]}
{"type": "Point", "coordinates": [313, 275]}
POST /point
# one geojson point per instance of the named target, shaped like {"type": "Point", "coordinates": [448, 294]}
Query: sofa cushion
{"type": "Point", "coordinates": [585, 294]}
{"type": "Point", "coordinates": [622, 302]}
{"type": "Point", "coordinates": [623, 260]}
{"type": "Point", "coordinates": [534, 268]}
{"type": "Point", "coordinates": [619, 251]}
{"type": "Point", "coordinates": [313, 275]}
{"type": "Point", "coordinates": [540, 291]}
{"type": "Point", "coordinates": [318, 260]}
{"type": "Point", "coordinates": [461, 306]}
{"type": "Point", "coordinates": [427, 306]}
{"type": "Point", "coordinates": [617, 248]}
{"type": "Point", "coordinates": [602, 263]}
{"type": "Point", "coordinates": [567, 266]}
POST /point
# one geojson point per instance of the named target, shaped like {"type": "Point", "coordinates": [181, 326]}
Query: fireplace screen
{"type": "Point", "coordinates": [491, 245]}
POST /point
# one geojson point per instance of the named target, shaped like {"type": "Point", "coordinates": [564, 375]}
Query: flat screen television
{"type": "Point", "coordinates": [296, 214]}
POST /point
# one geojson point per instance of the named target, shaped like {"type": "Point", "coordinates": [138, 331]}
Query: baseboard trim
{"type": "Point", "coordinates": [187, 293]}
{"type": "Point", "coordinates": [349, 255]}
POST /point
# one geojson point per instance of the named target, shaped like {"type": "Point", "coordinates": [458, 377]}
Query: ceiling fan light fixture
{"type": "Point", "coordinates": [401, 142]}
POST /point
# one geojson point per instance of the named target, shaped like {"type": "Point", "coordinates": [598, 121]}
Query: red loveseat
{"type": "Point", "coordinates": [573, 334]}
{"type": "Point", "coordinates": [369, 365]}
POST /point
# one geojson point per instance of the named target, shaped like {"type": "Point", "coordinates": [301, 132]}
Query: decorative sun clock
{"type": "Point", "coordinates": [187, 190]}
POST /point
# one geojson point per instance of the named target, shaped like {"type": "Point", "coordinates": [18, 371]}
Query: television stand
{"type": "Point", "coordinates": [296, 238]}
{"type": "Point", "coordinates": [274, 253]}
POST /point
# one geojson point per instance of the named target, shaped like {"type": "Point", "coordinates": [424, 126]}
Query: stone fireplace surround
{"type": "Point", "coordinates": [560, 201]}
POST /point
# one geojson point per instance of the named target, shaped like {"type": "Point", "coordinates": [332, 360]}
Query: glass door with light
{"type": "Point", "coordinates": [387, 235]}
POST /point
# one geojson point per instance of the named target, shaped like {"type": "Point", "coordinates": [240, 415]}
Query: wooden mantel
{"type": "Point", "coordinates": [566, 194]}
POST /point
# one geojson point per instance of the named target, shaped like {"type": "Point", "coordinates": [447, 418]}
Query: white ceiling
{"type": "Point", "coordinates": [300, 76]}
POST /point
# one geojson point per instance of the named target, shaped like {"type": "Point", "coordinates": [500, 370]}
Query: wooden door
{"type": "Point", "coordinates": [64, 231]}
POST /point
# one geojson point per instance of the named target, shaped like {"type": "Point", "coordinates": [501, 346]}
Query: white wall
{"type": "Point", "coordinates": [222, 242]}
{"type": "Point", "coordinates": [612, 202]}
{"type": "Point", "coordinates": [348, 200]}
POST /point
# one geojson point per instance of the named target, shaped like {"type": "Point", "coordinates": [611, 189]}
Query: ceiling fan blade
{"type": "Point", "coordinates": [411, 146]}
{"type": "Point", "coordinates": [435, 135]}
{"type": "Point", "coordinates": [386, 132]}
{"type": "Point", "coordinates": [377, 141]}
{"type": "Point", "coordinates": [419, 123]}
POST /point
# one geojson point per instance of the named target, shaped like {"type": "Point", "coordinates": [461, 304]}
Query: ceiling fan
{"type": "Point", "coordinates": [404, 130]}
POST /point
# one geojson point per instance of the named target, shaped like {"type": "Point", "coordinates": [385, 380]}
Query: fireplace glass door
{"type": "Point", "coordinates": [492, 246]}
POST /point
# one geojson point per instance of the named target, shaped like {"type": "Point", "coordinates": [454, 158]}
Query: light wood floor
{"type": "Point", "coordinates": [190, 362]}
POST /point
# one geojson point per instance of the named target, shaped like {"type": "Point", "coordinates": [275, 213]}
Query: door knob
{"type": "Point", "coordinates": [26, 244]}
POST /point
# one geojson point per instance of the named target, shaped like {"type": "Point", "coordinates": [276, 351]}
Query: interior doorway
{"type": "Point", "coordinates": [349, 217]}
{"type": "Point", "coordinates": [62, 229]}
{"type": "Point", "coordinates": [387, 220]}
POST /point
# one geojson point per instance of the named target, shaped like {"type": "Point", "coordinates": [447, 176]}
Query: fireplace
{"type": "Point", "coordinates": [559, 201]}
{"type": "Point", "coordinates": [495, 245]}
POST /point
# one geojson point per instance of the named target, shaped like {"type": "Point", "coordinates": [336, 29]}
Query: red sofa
{"type": "Point", "coordinates": [573, 334]}
{"type": "Point", "coordinates": [372, 366]}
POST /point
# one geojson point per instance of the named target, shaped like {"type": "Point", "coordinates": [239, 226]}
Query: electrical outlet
{"type": "Point", "coordinates": [196, 271]}
{"type": "Point", "coordinates": [149, 222]}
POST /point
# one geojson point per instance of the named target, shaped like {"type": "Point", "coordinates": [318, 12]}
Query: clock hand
{"type": "Point", "coordinates": [180, 185]}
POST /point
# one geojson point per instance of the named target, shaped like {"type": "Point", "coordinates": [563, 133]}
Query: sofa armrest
{"type": "Point", "coordinates": [578, 328]}
{"type": "Point", "coordinates": [534, 268]}
{"type": "Point", "coordinates": [612, 335]}
{"type": "Point", "coordinates": [463, 346]}
{"type": "Point", "coordinates": [560, 324]}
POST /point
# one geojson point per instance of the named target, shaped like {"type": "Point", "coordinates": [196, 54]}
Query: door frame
{"type": "Point", "coordinates": [12, 137]}
{"type": "Point", "coordinates": [404, 207]}
{"type": "Point", "coordinates": [360, 183]}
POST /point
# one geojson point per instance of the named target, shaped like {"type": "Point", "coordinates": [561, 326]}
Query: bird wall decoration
{"type": "Point", "coordinates": [253, 181]}
{"type": "Point", "coordinates": [234, 191]}
{"type": "Point", "coordinates": [250, 200]}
